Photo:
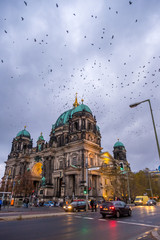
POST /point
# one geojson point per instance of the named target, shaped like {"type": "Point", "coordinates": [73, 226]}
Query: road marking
{"type": "Point", "coordinates": [78, 216]}
{"type": "Point", "coordinates": [139, 224]}
{"type": "Point", "coordinates": [88, 218]}
{"type": "Point", "coordinates": [101, 219]}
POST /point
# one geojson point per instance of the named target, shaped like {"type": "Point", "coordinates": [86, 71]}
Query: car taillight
{"type": "Point", "coordinates": [100, 207]}
{"type": "Point", "coordinates": [111, 208]}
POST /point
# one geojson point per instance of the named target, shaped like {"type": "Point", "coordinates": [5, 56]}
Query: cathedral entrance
{"type": "Point", "coordinates": [71, 188]}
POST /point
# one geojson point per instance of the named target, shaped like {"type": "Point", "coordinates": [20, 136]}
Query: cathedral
{"type": "Point", "coordinates": [58, 167]}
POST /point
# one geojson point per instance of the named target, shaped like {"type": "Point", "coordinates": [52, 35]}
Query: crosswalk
{"type": "Point", "coordinates": [133, 222]}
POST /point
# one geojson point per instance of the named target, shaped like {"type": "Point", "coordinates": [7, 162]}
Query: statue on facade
{"type": "Point", "coordinates": [43, 181]}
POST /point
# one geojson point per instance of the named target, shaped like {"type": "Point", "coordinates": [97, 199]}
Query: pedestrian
{"type": "Point", "coordinates": [0, 203]}
{"type": "Point", "coordinates": [24, 202]}
{"type": "Point", "coordinates": [4, 203]}
{"type": "Point", "coordinates": [27, 202]}
{"type": "Point", "coordinates": [92, 204]}
{"type": "Point", "coordinates": [95, 206]}
{"type": "Point", "coordinates": [37, 202]}
{"type": "Point", "coordinates": [7, 203]}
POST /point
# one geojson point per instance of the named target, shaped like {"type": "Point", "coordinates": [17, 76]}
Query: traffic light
{"type": "Point", "coordinates": [85, 190]}
{"type": "Point", "coordinates": [121, 166]}
{"type": "Point", "coordinates": [89, 189]}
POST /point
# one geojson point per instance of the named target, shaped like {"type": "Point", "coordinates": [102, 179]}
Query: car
{"type": "Point", "coordinates": [48, 204]}
{"type": "Point", "coordinates": [151, 202]}
{"type": "Point", "coordinates": [115, 209]}
{"type": "Point", "coordinates": [75, 206]}
{"type": "Point", "coordinates": [141, 200]}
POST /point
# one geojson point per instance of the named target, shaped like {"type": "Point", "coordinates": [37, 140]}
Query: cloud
{"type": "Point", "coordinates": [106, 56]}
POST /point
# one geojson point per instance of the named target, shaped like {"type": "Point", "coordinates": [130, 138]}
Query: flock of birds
{"type": "Point", "coordinates": [92, 74]}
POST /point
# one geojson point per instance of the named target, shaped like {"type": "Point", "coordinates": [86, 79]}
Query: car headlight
{"type": "Point", "coordinates": [64, 207]}
{"type": "Point", "coordinates": [69, 207]}
{"type": "Point", "coordinates": [140, 200]}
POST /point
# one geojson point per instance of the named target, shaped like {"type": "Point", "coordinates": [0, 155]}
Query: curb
{"type": "Point", "coordinates": [34, 216]}
{"type": "Point", "coordinates": [155, 233]}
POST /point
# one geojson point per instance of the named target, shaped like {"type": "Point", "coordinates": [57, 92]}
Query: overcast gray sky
{"type": "Point", "coordinates": [108, 51]}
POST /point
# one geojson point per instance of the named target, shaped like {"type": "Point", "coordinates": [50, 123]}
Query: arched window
{"type": "Point", "coordinates": [59, 141]}
{"type": "Point", "coordinates": [76, 126]}
{"type": "Point", "coordinates": [74, 161]}
{"type": "Point", "coordinates": [91, 161]}
{"type": "Point", "coordinates": [83, 124]}
{"type": "Point", "coordinates": [60, 164]}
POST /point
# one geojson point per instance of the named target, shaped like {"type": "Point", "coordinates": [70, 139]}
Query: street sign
{"type": "Point", "coordinates": [94, 168]}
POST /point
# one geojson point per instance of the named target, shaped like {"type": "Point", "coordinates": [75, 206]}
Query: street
{"type": "Point", "coordinates": [83, 225]}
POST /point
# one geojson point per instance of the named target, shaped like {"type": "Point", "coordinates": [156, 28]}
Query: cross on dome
{"type": "Point", "coordinates": [76, 104]}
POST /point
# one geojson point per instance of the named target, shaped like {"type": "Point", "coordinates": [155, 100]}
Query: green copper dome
{"type": "Point", "coordinates": [41, 138]}
{"type": "Point", "coordinates": [118, 144]}
{"type": "Point", "coordinates": [23, 133]}
{"type": "Point", "coordinates": [81, 108]}
{"type": "Point", "coordinates": [64, 117]}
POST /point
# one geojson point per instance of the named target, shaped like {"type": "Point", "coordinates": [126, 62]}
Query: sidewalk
{"type": "Point", "coordinates": [32, 216]}
{"type": "Point", "coordinates": [150, 235]}
{"type": "Point", "coordinates": [21, 213]}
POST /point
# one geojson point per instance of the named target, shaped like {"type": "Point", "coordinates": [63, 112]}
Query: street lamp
{"type": "Point", "coordinates": [87, 184]}
{"type": "Point", "coordinates": [148, 100]}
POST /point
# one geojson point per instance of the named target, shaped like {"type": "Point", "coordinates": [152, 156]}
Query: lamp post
{"type": "Point", "coordinates": [87, 183]}
{"type": "Point", "coordinates": [150, 186]}
{"type": "Point", "coordinates": [148, 100]}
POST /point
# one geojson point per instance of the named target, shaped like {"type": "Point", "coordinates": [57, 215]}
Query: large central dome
{"type": "Point", "coordinates": [64, 117]}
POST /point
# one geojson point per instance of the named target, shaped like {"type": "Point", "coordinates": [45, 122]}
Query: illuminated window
{"type": "Point", "coordinates": [91, 161]}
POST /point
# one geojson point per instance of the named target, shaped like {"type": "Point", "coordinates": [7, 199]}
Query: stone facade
{"type": "Point", "coordinates": [58, 168]}
{"type": "Point", "coordinates": [74, 139]}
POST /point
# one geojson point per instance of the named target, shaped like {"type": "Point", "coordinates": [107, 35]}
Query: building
{"type": "Point", "coordinates": [58, 167]}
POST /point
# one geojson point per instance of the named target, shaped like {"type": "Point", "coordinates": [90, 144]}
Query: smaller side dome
{"type": "Point", "coordinates": [118, 144]}
{"type": "Point", "coordinates": [41, 137]}
{"type": "Point", "coordinates": [24, 133]}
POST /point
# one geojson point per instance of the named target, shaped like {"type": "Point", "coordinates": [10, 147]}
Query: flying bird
{"type": "Point", "coordinates": [5, 31]}
{"type": "Point", "coordinates": [22, 18]}
{"type": "Point", "coordinates": [130, 2]}
{"type": "Point", "coordinates": [25, 3]}
{"type": "Point", "coordinates": [57, 5]}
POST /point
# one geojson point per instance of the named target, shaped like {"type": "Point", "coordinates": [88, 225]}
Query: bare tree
{"type": "Point", "coordinates": [23, 184]}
